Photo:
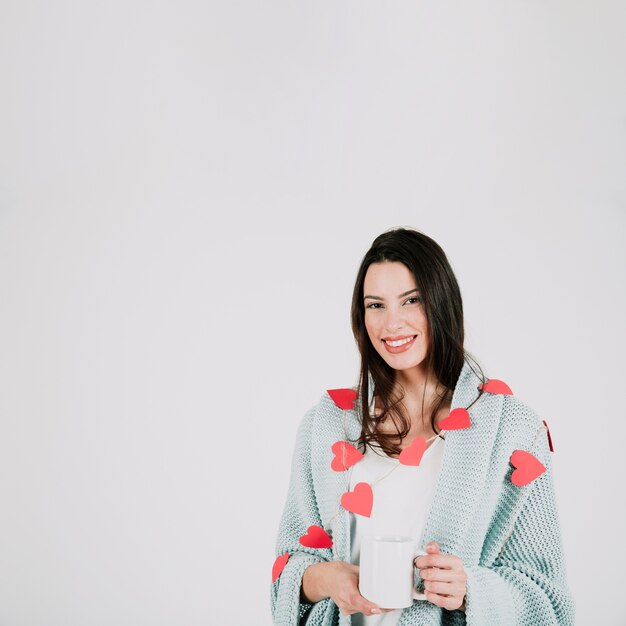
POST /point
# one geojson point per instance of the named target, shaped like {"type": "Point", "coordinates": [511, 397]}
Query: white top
{"type": "Point", "coordinates": [402, 501]}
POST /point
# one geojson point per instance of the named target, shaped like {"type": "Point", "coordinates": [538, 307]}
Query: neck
{"type": "Point", "coordinates": [420, 392]}
{"type": "Point", "coordinates": [416, 380]}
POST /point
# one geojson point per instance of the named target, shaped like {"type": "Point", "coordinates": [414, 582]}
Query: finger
{"type": "Point", "coordinates": [432, 547]}
{"type": "Point", "coordinates": [356, 603]}
{"type": "Point", "coordinates": [359, 604]}
{"type": "Point", "coordinates": [445, 602]}
{"type": "Point", "coordinates": [349, 599]}
{"type": "Point", "coordinates": [444, 588]}
{"type": "Point", "coordinates": [445, 561]}
{"type": "Point", "coordinates": [443, 574]}
{"type": "Point", "coordinates": [368, 608]}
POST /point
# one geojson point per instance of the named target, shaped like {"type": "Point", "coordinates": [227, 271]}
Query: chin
{"type": "Point", "coordinates": [400, 366]}
{"type": "Point", "coordinates": [409, 365]}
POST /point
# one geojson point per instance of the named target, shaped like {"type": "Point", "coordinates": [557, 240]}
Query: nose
{"type": "Point", "coordinates": [394, 319]}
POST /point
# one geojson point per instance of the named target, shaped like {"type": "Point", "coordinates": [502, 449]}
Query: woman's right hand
{"type": "Point", "coordinates": [339, 581]}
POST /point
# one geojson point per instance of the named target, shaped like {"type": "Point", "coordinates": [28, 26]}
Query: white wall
{"type": "Point", "coordinates": [186, 191]}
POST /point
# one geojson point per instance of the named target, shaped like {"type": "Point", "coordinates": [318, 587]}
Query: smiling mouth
{"type": "Point", "coordinates": [399, 342]}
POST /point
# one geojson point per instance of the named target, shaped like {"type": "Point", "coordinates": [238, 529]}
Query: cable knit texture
{"type": "Point", "coordinates": [508, 537]}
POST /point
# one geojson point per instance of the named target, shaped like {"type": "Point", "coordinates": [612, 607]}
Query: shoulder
{"type": "Point", "coordinates": [500, 402]}
{"type": "Point", "coordinates": [516, 411]}
{"type": "Point", "coordinates": [511, 420]}
{"type": "Point", "coordinates": [334, 415]}
{"type": "Point", "coordinates": [523, 427]}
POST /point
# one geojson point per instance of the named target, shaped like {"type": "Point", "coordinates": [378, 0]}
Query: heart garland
{"type": "Point", "coordinates": [549, 437]}
{"type": "Point", "coordinates": [528, 467]}
{"type": "Point", "coordinates": [457, 419]}
{"type": "Point", "coordinates": [279, 566]}
{"type": "Point", "coordinates": [412, 454]}
{"type": "Point", "coordinates": [346, 455]}
{"type": "Point", "coordinates": [343, 398]}
{"type": "Point", "coordinates": [496, 386]}
{"type": "Point", "coordinates": [360, 500]}
{"type": "Point", "coordinates": [316, 537]}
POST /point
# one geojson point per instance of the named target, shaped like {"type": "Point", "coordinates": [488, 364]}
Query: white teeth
{"type": "Point", "coordinates": [401, 342]}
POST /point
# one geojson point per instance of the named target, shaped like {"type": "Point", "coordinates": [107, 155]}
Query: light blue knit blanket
{"type": "Point", "coordinates": [508, 537]}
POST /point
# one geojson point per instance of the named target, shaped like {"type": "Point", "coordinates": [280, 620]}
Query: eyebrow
{"type": "Point", "coordinates": [406, 293]}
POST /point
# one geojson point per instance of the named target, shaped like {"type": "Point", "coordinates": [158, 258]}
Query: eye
{"type": "Point", "coordinates": [373, 305]}
{"type": "Point", "coordinates": [413, 300]}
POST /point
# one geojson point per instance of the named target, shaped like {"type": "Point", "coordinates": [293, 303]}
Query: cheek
{"type": "Point", "coordinates": [421, 322]}
{"type": "Point", "coordinates": [370, 327]}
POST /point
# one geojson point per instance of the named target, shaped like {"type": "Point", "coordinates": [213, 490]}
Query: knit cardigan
{"type": "Point", "coordinates": [507, 536]}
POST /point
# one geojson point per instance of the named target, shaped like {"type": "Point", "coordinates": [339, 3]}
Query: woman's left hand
{"type": "Point", "coordinates": [444, 577]}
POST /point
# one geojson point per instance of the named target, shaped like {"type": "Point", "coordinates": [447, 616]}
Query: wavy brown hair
{"type": "Point", "coordinates": [443, 306]}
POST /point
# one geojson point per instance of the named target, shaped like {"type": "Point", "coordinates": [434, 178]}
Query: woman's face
{"type": "Point", "coordinates": [394, 315]}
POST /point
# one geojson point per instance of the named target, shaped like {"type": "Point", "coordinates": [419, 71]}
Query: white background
{"type": "Point", "coordinates": [186, 191]}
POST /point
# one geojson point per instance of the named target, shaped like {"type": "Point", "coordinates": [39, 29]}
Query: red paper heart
{"type": "Point", "coordinates": [457, 419]}
{"type": "Point", "coordinates": [496, 386]}
{"type": "Point", "coordinates": [528, 467]}
{"type": "Point", "coordinates": [279, 566]}
{"type": "Point", "coordinates": [316, 537]}
{"type": "Point", "coordinates": [359, 501]}
{"type": "Point", "coordinates": [346, 455]}
{"type": "Point", "coordinates": [549, 436]}
{"type": "Point", "coordinates": [343, 398]}
{"type": "Point", "coordinates": [412, 454]}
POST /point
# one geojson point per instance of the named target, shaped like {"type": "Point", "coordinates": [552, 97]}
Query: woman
{"type": "Point", "coordinates": [433, 451]}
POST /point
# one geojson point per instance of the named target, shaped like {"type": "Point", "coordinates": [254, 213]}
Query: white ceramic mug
{"type": "Point", "coordinates": [386, 571]}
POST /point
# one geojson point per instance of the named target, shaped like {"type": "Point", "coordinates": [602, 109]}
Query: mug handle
{"type": "Point", "coordinates": [416, 594]}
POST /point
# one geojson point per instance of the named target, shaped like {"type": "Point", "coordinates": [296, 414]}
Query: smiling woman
{"type": "Point", "coordinates": [427, 450]}
{"type": "Point", "coordinates": [406, 290]}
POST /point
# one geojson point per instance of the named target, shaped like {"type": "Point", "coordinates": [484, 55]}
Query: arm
{"type": "Point", "coordinates": [311, 580]}
{"type": "Point", "coordinates": [299, 513]}
{"type": "Point", "coordinates": [526, 584]}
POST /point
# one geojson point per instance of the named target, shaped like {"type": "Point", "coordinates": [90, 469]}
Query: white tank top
{"type": "Point", "coordinates": [402, 501]}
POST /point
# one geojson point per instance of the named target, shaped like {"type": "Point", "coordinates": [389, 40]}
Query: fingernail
{"type": "Point", "coordinates": [376, 611]}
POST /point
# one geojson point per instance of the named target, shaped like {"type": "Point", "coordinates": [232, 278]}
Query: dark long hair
{"type": "Point", "coordinates": [444, 311]}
